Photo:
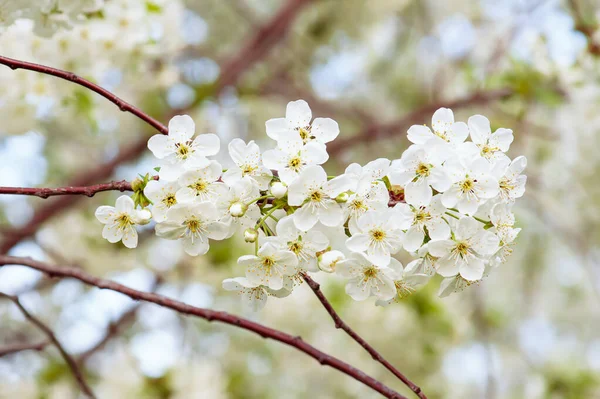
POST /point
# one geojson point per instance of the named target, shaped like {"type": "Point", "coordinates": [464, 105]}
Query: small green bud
{"type": "Point", "coordinates": [250, 235]}
{"type": "Point", "coordinates": [343, 197]}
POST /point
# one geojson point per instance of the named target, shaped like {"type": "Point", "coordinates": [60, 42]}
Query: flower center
{"type": "Point", "coordinates": [422, 216]}
{"type": "Point", "coordinates": [295, 247]}
{"type": "Point", "coordinates": [370, 272]}
{"type": "Point", "coordinates": [467, 185]}
{"type": "Point", "coordinates": [193, 225]}
{"type": "Point", "coordinates": [124, 221]}
{"type": "Point", "coordinates": [505, 185]}
{"type": "Point", "coordinates": [183, 150]}
{"type": "Point", "coordinates": [423, 170]}
{"type": "Point", "coordinates": [462, 248]}
{"type": "Point", "coordinates": [487, 151]}
{"type": "Point", "coordinates": [169, 200]}
{"type": "Point", "coordinates": [247, 169]}
{"type": "Point", "coordinates": [316, 196]}
{"type": "Point", "coordinates": [200, 186]}
{"type": "Point", "coordinates": [377, 235]}
{"type": "Point", "coordinates": [304, 133]}
{"type": "Point", "coordinates": [295, 163]}
{"type": "Point", "coordinates": [358, 205]}
{"type": "Point", "coordinates": [268, 262]}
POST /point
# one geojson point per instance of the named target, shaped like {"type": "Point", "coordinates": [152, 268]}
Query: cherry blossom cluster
{"type": "Point", "coordinates": [446, 202]}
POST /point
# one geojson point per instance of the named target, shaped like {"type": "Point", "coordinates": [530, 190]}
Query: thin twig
{"type": "Point", "coordinates": [70, 76]}
{"type": "Point", "coordinates": [339, 323]}
{"type": "Point", "coordinates": [209, 315]}
{"type": "Point", "coordinates": [21, 347]}
{"type": "Point", "coordinates": [50, 334]}
{"type": "Point", "coordinates": [89, 191]}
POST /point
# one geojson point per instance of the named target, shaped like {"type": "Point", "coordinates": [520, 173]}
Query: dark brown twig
{"type": "Point", "coordinates": [209, 315]}
{"type": "Point", "coordinates": [89, 191]}
{"type": "Point", "coordinates": [339, 323]}
{"type": "Point", "coordinates": [21, 347]}
{"type": "Point", "coordinates": [50, 334]}
{"type": "Point", "coordinates": [123, 105]}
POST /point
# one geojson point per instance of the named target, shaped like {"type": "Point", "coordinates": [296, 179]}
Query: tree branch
{"type": "Point", "coordinates": [89, 191]}
{"type": "Point", "coordinates": [48, 332]}
{"type": "Point", "coordinates": [53, 208]}
{"type": "Point", "coordinates": [589, 30]}
{"type": "Point", "coordinates": [419, 115]}
{"type": "Point", "coordinates": [339, 323]}
{"type": "Point", "coordinates": [209, 315]}
{"type": "Point", "coordinates": [20, 347]}
{"type": "Point", "coordinates": [123, 105]}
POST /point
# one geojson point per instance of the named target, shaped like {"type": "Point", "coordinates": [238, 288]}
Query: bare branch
{"type": "Point", "coordinates": [339, 323]}
{"type": "Point", "coordinates": [48, 332]}
{"type": "Point", "coordinates": [21, 347]}
{"type": "Point", "coordinates": [89, 191]}
{"type": "Point", "coordinates": [123, 106]}
{"type": "Point", "coordinates": [209, 315]}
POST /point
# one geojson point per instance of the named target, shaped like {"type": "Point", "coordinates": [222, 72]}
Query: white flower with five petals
{"type": "Point", "coordinates": [304, 245]}
{"type": "Point", "coordinates": [248, 163]}
{"type": "Point", "coordinates": [316, 198]}
{"type": "Point", "coordinates": [291, 157]}
{"type": "Point", "coordinates": [492, 146]}
{"type": "Point", "coordinates": [365, 278]}
{"type": "Point", "coordinates": [378, 234]}
{"type": "Point", "coordinates": [254, 296]}
{"type": "Point", "coordinates": [415, 220]}
{"type": "Point", "coordinates": [466, 251]}
{"type": "Point", "coordinates": [444, 130]}
{"type": "Point", "coordinates": [163, 197]}
{"type": "Point", "coordinates": [297, 125]}
{"type": "Point", "coordinates": [201, 184]}
{"type": "Point", "coordinates": [194, 223]}
{"type": "Point", "coordinates": [119, 221]}
{"type": "Point", "coordinates": [419, 169]}
{"type": "Point", "coordinates": [269, 266]}
{"type": "Point", "coordinates": [178, 151]}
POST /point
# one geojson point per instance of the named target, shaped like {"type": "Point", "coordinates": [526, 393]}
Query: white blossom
{"type": "Point", "coordinates": [269, 266]}
{"type": "Point", "coordinates": [201, 184]}
{"type": "Point", "coordinates": [247, 163]}
{"type": "Point", "coordinates": [194, 223]}
{"type": "Point", "coordinates": [492, 146]}
{"type": "Point", "coordinates": [119, 221]}
{"type": "Point", "coordinates": [417, 220]}
{"type": "Point", "coordinates": [291, 157]}
{"type": "Point", "coordinates": [178, 151]}
{"type": "Point", "coordinates": [297, 125]}
{"type": "Point", "coordinates": [365, 278]}
{"type": "Point", "coordinates": [465, 253]}
{"type": "Point", "coordinates": [163, 197]}
{"type": "Point", "coordinates": [314, 194]}
{"type": "Point", "coordinates": [378, 234]}
{"type": "Point", "coordinates": [254, 297]}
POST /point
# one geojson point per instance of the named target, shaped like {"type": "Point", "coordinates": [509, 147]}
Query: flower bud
{"type": "Point", "coordinates": [137, 185]}
{"type": "Point", "coordinates": [278, 189]}
{"type": "Point", "coordinates": [143, 217]}
{"type": "Point", "coordinates": [250, 235]}
{"type": "Point", "coordinates": [343, 197]}
{"type": "Point", "coordinates": [329, 259]}
{"type": "Point", "coordinates": [237, 209]}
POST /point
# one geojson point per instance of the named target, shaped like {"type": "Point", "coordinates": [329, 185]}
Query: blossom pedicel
{"type": "Point", "coordinates": [455, 219]}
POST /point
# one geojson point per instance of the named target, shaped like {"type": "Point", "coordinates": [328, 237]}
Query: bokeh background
{"type": "Point", "coordinates": [529, 330]}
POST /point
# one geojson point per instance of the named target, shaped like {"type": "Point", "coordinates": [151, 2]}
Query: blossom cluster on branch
{"type": "Point", "coordinates": [446, 201]}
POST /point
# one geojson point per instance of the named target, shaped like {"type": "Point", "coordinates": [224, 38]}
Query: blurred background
{"type": "Point", "coordinates": [529, 330]}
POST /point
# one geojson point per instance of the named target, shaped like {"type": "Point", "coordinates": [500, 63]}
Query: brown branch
{"type": "Point", "coordinates": [20, 347]}
{"type": "Point", "coordinates": [48, 332]}
{"type": "Point", "coordinates": [419, 115]}
{"type": "Point", "coordinates": [266, 37]}
{"type": "Point", "coordinates": [339, 323]}
{"type": "Point", "coordinates": [123, 105]}
{"type": "Point", "coordinates": [89, 191]}
{"type": "Point", "coordinates": [53, 208]}
{"type": "Point", "coordinates": [209, 315]}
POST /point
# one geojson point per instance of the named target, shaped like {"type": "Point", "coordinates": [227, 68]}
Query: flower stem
{"type": "Point", "coordinates": [267, 214]}
{"type": "Point", "coordinates": [256, 200]}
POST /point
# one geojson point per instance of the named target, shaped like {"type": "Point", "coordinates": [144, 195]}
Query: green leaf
{"type": "Point", "coordinates": [153, 8]}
